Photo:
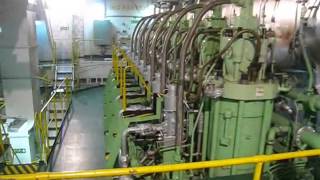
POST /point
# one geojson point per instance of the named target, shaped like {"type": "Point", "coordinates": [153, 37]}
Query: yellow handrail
{"type": "Point", "coordinates": [137, 73]}
{"type": "Point", "coordinates": [2, 105]}
{"type": "Point", "coordinates": [43, 120]}
{"type": "Point", "coordinates": [2, 149]}
{"type": "Point", "coordinates": [258, 160]}
{"type": "Point", "coordinates": [124, 88]}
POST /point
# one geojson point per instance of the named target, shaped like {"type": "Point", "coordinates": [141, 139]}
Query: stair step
{"type": "Point", "coordinates": [65, 68]}
{"type": "Point", "coordinates": [54, 128]}
{"type": "Point", "coordinates": [64, 72]}
{"type": "Point", "coordinates": [58, 111]}
{"type": "Point", "coordinates": [52, 134]}
{"type": "Point", "coordinates": [51, 137]}
{"type": "Point", "coordinates": [53, 120]}
{"type": "Point", "coordinates": [57, 106]}
{"type": "Point", "coordinates": [51, 142]}
{"type": "Point", "coordinates": [58, 115]}
{"type": "Point", "coordinates": [53, 124]}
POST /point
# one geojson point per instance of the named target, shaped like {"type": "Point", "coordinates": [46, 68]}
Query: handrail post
{"type": "Point", "coordinates": [258, 171]}
{"type": "Point", "coordinates": [124, 91]}
{"type": "Point", "coordinates": [38, 131]}
{"type": "Point", "coordinates": [1, 142]}
{"type": "Point", "coordinates": [46, 132]}
{"type": "Point", "coordinates": [55, 113]}
{"type": "Point", "coordinates": [120, 79]}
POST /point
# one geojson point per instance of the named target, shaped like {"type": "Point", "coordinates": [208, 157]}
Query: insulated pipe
{"type": "Point", "coordinates": [180, 106]}
{"type": "Point", "coordinates": [124, 152]}
{"type": "Point", "coordinates": [165, 48]}
{"type": "Point", "coordinates": [170, 101]}
{"type": "Point", "coordinates": [138, 129]}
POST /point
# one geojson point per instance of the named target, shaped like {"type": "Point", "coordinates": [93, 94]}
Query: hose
{"type": "Point", "coordinates": [141, 38]}
{"type": "Point", "coordinates": [206, 33]}
{"type": "Point", "coordinates": [180, 106]}
{"type": "Point", "coordinates": [154, 42]}
{"type": "Point", "coordinates": [147, 36]}
{"type": "Point", "coordinates": [137, 31]}
{"type": "Point", "coordinates": [224, 50]}
{"type": "Point", "coordinates": [138, 26]}
{"type": "Point", "coordinates": [167, 41]}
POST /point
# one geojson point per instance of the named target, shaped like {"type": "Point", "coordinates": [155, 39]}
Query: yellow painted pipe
{"type": "Point", "coordinates": [260, 159]}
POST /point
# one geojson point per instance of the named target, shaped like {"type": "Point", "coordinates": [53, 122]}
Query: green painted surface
{"type": "Point", "coordinates": [237, 129]}
{"type": "Point", "coordinates": [115, 123]}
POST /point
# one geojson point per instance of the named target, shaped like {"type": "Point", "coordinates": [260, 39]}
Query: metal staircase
{"type": "Point", "coordinates": [62, 72]}
{"type": "Point", "coordinates": [57, 109]}
{"type": "Point", "coordinates": [59, 102]}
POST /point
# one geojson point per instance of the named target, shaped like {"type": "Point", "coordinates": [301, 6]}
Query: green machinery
{"type": "Point", "coordinates": [198, 85]}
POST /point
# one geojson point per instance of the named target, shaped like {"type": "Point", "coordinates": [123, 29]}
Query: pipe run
{"type": "Point", "coordinates": [142, 129]}
{"type": "Point", "coordinates": [272, 137]}
{"type": "Point", "coordinates": [310, 101]}
{"type": "Point", "coordinates": [312, 139]}
{"type": "Point", "coordinates": [183, 54]}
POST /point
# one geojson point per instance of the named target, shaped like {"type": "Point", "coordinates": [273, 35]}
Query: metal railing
{"type": "Point", "coordinates": [3, 139]}
{"type": "Point", "coordinates": [43, 119]}
{"type": "Point", "coordinates": [7, 153]}
{"type": "Point", "coordinates": [120, 68]}
{"type": "Point", "coordinates": [257, 160]}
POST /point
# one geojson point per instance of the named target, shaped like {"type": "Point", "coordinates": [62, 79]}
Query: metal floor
{"type": "Point", "coordinates": [83, 145]}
